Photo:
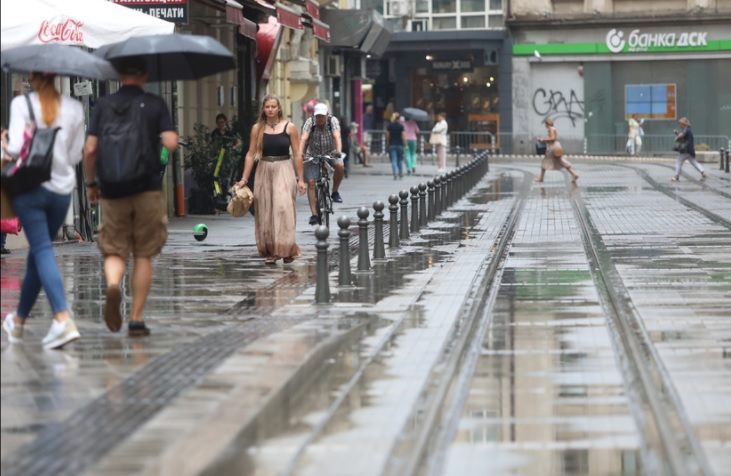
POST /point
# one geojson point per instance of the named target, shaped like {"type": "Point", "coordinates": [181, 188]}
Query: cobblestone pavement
{"type": "Point", "coordinates": [242, 367]}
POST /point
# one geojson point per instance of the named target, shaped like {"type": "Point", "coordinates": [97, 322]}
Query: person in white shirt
{"type": "Point", "coordinates": [42, 210]}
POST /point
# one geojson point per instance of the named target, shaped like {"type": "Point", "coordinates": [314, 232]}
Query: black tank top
{"type": "Point", "coordinates": [276, 144]}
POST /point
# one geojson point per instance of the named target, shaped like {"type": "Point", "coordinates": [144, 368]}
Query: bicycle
{"type": "Point", "coordinates": [322, 195]}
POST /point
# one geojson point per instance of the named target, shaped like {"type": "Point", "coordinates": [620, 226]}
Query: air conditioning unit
{"type": "Point", "coordinates": [399, 8]}
{"type": "Point", "coordinates": [332, 66]}
{"type": "Point", "coordinates": [419, 25]}
{"type": "Point", "coordinates": [358, 68]}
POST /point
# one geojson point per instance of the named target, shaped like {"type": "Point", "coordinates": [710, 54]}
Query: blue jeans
{"type": "Point", "coordinates": [396, 152]}
{"type": "Point", "coordinates": [41, 213]}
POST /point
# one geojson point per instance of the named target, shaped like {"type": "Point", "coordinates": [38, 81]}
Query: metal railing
{"type": "Point", "coordinates": [515, 143]}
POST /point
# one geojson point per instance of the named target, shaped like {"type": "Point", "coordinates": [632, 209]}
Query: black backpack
{"type": "Point", "coordinates": [125, 155]}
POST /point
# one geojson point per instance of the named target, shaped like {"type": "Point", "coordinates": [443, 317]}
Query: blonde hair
{"type": "Point", "coordinates": [395, 116]}
{"type": "Point", "coordinates": [684, 120]}
{"type": "Point", "coordinates": [548, 121]}
{"type": "Point", "coordinates": [262, 122]}
{"type": "Point", "coordinates": [48, 96]}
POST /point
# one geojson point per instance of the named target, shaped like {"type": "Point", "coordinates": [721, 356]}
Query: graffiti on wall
{"type": "Point", "coordinates": [554, 104]}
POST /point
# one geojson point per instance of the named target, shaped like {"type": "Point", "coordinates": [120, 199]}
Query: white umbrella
{"type": "Point", "coordinates": [89, 23]}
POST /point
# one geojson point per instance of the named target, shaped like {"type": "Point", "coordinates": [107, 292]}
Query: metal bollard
{"type": "Point", "coordinates": [404, 196]}
{"type": "Point", "coordinates": [431, 190]}
{"type": "Point", "coordinates": [322, 289]}
{"type": "Point", "coordinates": [437, 196]}
{"type": "Point", "coordinates": [414, 209]}
{"type": "Point", "coordinates": [422, 205]}
{"type": "Point", "coordinates": [364, 261]}
{"type": "Point", "coordinates": [379, 252]}
{"type": "Point", "coordinates": [393, 241]}
{"type": "Point", "coordinates": [721, 152]}
{"type": "Point", "coordinates": [458, 149]}
{"type": "Point", "coordinates": [728, 151]}
{"type": "Point", "coordinates": [344, 278]}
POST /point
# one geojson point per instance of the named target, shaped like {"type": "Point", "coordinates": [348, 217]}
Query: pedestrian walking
{"type": "Point", "coordinates": [439, 140]}
{"type": "Point", "coordinates": [634, 140]}
{"type": "Point", "coordinates": [554, 159]}
{"type": "Point", "coordinates": [275, 193]}
{"type": "Point", "coordinates": [133, 210]}
{"type": "Point", "coordinates": [412, 129]}
{"type": "Point", "coordinates": [42, 210]}
{"type": "Point", "coordinates": [685, 146]}
{"type": "Point", "coordinates": [396, 139]}
{"type": "Point", "coordinates": [368, 126]}
{"type": "Point", "coordinates": [346, 137]}
{"type": "Point", "coordinates": [321, 135]}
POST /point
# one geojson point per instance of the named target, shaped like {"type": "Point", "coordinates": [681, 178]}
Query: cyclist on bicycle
{"type": "Point", "coordinates": [320, 136]}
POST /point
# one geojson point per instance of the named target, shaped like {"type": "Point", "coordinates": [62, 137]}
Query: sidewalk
{"type": "Point", "coordinates": [233, 341]}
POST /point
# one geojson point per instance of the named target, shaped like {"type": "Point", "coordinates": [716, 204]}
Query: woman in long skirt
{"type": "Point", "coordinates": [554, 159]}
{"type": "Point", "coordinates": [275, 192]}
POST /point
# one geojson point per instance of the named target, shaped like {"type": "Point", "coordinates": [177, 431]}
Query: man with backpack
{"type": "Point", "coordinates": [123, 169]}
{"type": "Point", "coordinates": [321, 136]}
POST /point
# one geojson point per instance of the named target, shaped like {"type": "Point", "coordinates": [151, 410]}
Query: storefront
{"type": "Point", "coordinates": [463, 73]}
{"type": "Point", "coordinates": [590, 81]}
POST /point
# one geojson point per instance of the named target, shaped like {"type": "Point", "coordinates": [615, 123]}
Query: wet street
{"type": "Point", "coordinates": [530, 328]}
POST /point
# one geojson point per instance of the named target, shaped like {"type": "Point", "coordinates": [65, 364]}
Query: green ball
{"type": "Point", "coordinates": [200, 231]}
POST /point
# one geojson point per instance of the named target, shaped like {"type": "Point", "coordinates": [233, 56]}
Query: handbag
{"type": "Point", "coordinates": [33, 166]}
{"type": "Point", "coordinates": [240, 202]}
{"type": "Point", "coordinates": [10, 225]}
{"type": "Point", "coordinates": [541, 148]}
{"type": "Point", "coordinates": [435, 138]}
{"type": "Point", "coordinates": [681, 146]}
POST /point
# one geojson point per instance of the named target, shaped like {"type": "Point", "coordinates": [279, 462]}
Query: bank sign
{"type": "Point", "coordinates": [627, 41]}
{"type": "Point", "coordinates": [175, 11]}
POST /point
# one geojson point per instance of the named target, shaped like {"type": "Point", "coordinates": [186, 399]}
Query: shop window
{"type": "Point", "coordinates": [444, 23]}
{"type": "Point", "coordinates": [444, 6]}
{"type": "Point", "coordinates": [472, 6]}
{"type": "Point", "coordinates": [496, 5]}
{"type": "Point", "coordinates": [495, 21]}
{"type": "Point", "coordinates": [473, 22]}
{"type": "Point", "coordinates": [650, 101]}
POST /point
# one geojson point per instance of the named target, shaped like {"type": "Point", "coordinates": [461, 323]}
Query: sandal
{"type": "Point", "coordinates": [288, 260]}
{"type": "Point", "coordinates": [537, 180]}
{"type": "Point", "coordinates": [270, 261]}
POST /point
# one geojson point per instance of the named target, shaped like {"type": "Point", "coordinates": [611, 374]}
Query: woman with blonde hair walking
{"type": "Point", "coordinates": [275, 192]}
{"type": "Point", "coordinates": [42, 209]}
{"type": "Point", "coordinates": [554, 159]}
{"type": "Point", "coordinates": [685, 147]}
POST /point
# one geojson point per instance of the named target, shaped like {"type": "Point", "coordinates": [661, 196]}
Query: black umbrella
{"type": "Point", "coordinates": [416, 114]}
{"type": "Point", "coordinates": [63, 60]}
{"type": "Point", "coordinates": [173, 57]}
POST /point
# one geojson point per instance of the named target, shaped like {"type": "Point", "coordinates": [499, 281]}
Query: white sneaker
{"type": "Point", "coordinates": [15, 332]}
{"type": "Point", "coordinates": [59, 337]}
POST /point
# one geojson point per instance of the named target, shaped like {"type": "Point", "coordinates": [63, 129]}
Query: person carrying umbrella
{"type": "Point", "coordinates": [412, 129]}
{"type": "Point", "coordinates": [134, 215]}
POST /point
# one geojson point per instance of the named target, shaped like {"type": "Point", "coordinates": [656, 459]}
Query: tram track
{"type": "Point", "coordinates": [669, 442]}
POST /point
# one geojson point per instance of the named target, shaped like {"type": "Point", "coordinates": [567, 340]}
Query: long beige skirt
{"type": "Point", "coordinates": [553, 163]}
{"type": "Point", "coordinates": [275, 210]}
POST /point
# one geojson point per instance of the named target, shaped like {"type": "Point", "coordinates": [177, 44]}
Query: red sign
{"type": "Point", "coordinates": [66, 31]}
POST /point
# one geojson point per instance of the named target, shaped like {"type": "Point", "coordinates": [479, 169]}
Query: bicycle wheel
{"type": "Point", "coordinates": [324, 205]}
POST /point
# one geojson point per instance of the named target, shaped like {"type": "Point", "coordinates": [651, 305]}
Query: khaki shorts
{"type": "Point", "coordinates": [137, 224]}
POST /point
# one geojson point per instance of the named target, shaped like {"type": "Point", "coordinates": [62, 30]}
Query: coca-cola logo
{"type": "Point", "coordinates": [67, 31]}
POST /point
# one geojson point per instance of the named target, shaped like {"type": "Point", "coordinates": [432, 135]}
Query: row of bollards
{"type": "Point", "coordinates": [428, 201]}
{"type": "Point", "coordinates": [724, 153]}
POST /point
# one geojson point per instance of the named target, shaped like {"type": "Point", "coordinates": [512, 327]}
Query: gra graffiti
{"type": "Point", "coordinates": [556, 105]}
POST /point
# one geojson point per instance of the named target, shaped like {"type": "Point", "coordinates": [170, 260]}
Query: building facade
{"type": "Point", "coordinates": [589, 65]}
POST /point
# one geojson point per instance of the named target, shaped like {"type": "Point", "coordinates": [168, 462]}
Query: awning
{"type": "Point", "coordinates": [321, 30]}
{"type": "Point", "coordinates": [363, 30]}
{"type": "Point", "coordinates": [313, 9]}
{"type": "Point", "coordinates": [288, 17]}
{"type": "Point", "coordinates": [90, 23]}
{"type": "Point", "coordinates": [234, 15]}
